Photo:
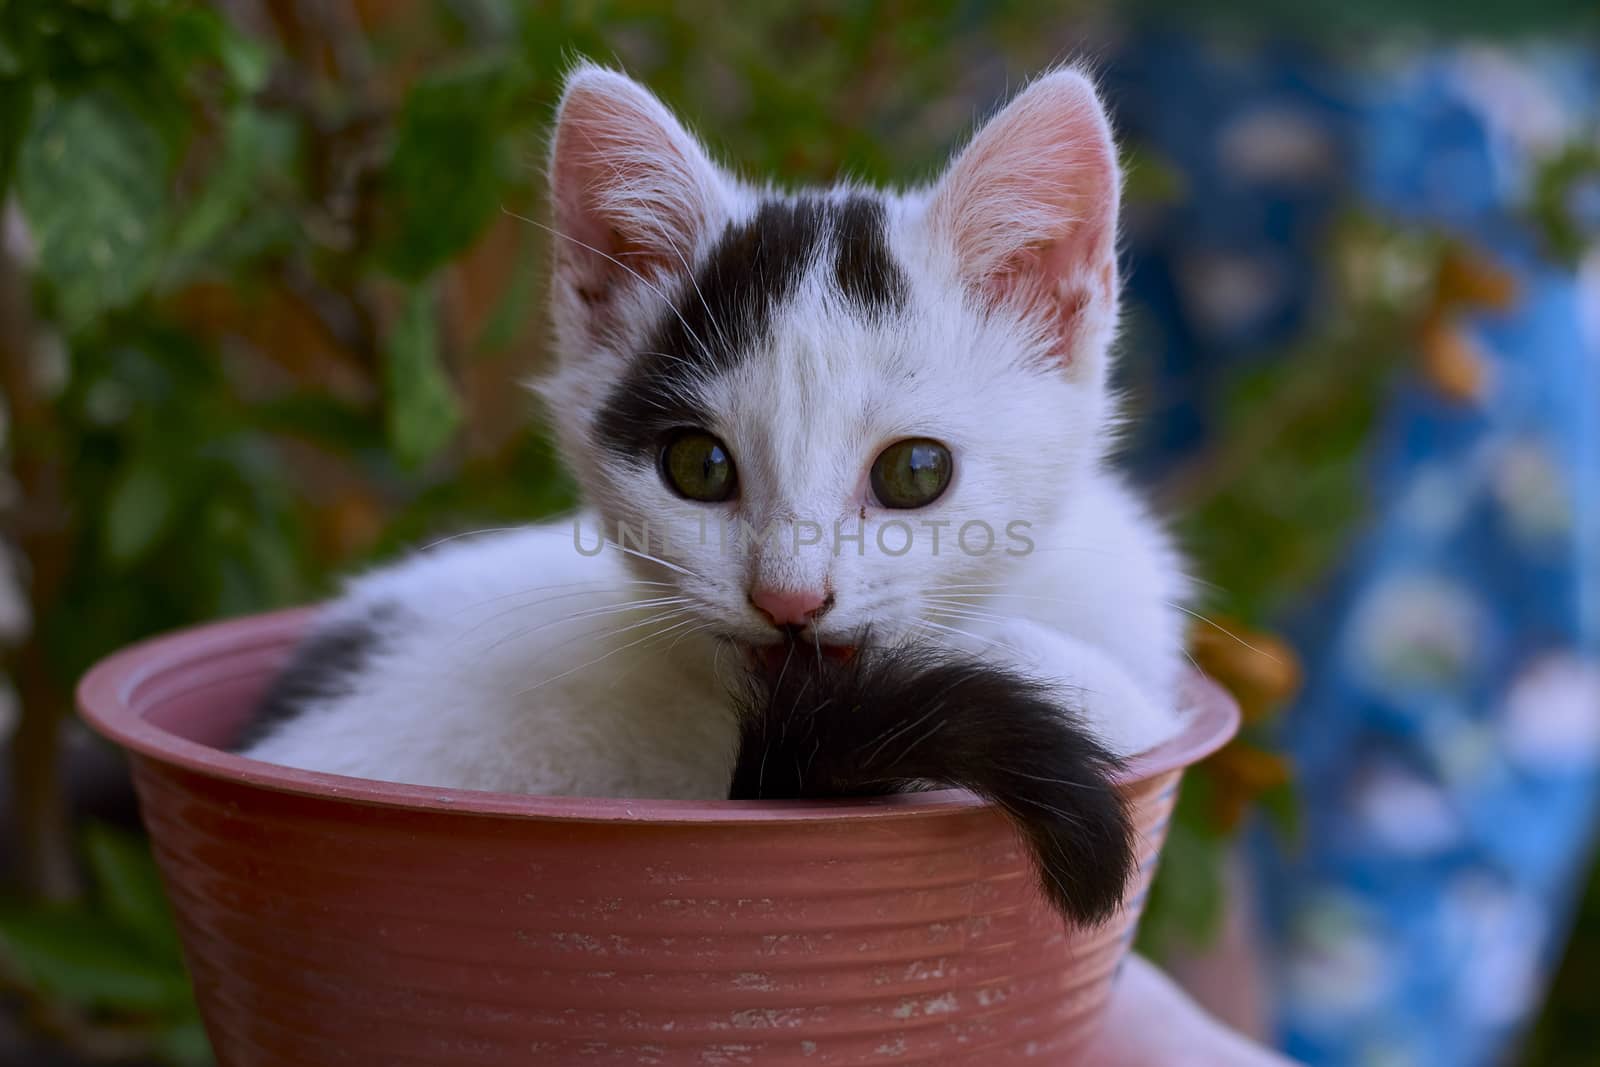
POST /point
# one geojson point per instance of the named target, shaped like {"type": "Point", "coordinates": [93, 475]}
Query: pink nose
{"type": "Point", "coordinates": [787, 607]}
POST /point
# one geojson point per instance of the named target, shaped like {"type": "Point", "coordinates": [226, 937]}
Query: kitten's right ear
{"type": "Point", "coordinates": [632, 192]}
{"type": "Point", "coordinates": [1030, 206]}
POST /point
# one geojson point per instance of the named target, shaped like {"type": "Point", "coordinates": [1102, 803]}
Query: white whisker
{"type": "Point", "coordinates": [1224, 630]}
{"type": "Point", "coordinates": [722, 337]}
{"type": "Point", "coordinates": [969, 616]}
{"type": "Point", "coordinates": [471, 533]}
{"type": "Point", "coordinates": [653, 559]}
{"type": "Point", "coordinates": [960, 632]}
{"type": "Point", "coordinates": [601, 659]}
{"type": "Point", "coordinates": [587, 636]}
{"type": "Point", "coordinates": [702, 628]}
{"type": "Point", "coordinates": [578, 588]}
{"type": "Point", "coordinates": [605, 609]}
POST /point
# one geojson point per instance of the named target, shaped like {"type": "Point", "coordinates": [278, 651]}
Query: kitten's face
{"type": "Point", "coordinates": [852, 411]}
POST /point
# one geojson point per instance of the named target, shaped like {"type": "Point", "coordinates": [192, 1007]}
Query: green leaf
{"type": "Point", "coordinates": [235, 216]}
{"type": "Point", "coordinates": [139, 511]}
{"type": "Point", "coordinates": [514, 309]}
{"type": "Point", "coordinates": [1557, 181]}
{"type": "Point", "coordinates": [91, 179]}
{"type": "Point", "coordinates": [130, 888]}
{"type": "Point", "coordinates": [1186, 904]}
{"type": "Point", "coordinates": [185, 1044]}
{"type": "Point", "coordinates": [247, 63]}
{"type": "Point", "coordinates": [90, 960]}
{"type": "Point", "coordinates": [16, 100]}
{"type": "Point", "coordinates": [321, 418]}
{"type": "Point", "coordinates": [444, 180]}
{"type": "Point", "coordinates": [1151, 178]}
{"type": "Point", "coordinates": [1283, 808]}
{"type": "Point", "coordinates": [422, 409]}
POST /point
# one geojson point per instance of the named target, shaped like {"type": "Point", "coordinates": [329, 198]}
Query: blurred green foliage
{"type": "Point", "coordinates": [278, 291]}
{"type": "Point", "coordinates": [112, 955]}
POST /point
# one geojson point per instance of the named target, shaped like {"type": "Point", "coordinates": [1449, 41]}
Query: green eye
{"type": "Point", "coordinates": [696, 465]}
{"type": "Point", "coordinates": [911, 473]}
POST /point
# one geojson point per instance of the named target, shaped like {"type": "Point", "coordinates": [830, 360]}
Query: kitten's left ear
{"type": "Point", "coordinates": [1030, 206]}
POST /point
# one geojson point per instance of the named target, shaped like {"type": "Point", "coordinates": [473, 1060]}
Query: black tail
{"type": "Point", "coordinates": [894, 719]}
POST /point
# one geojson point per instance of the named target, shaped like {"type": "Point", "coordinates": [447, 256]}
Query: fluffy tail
{"type": "Point", "coordinates": [895, 719]}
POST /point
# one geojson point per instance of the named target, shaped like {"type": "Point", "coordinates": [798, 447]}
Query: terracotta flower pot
{"type": "Point", "coordinates": [331, 920]}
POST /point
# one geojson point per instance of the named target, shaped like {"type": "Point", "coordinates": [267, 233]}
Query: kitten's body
{"type": "Point", "coordinates": [805, 333]}
{"type": "Point", "coordinates": [466, 681]}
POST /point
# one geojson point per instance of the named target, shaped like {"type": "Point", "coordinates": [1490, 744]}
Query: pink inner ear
{"type": "Point", "coordinates": [1063, 284]}
{"type": "Point", "coordinates": [1031, 205]}
{"type": "Point", "coordinates": [584, 190]}
{"type": "Point", "coordinates": [628, 182]}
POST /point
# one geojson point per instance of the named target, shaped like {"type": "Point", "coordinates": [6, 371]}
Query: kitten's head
{"type": "Point", "coordinates": [856, 375]}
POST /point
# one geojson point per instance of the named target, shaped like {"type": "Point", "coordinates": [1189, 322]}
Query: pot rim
{"type": "Point", "coordinates": [109, 699]}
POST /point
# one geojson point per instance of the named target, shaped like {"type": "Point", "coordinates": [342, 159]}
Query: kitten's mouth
{"type": "Point", "coordinates": [772, 659]}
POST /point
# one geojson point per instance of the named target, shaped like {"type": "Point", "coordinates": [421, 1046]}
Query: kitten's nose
{"type": "Point", "coordinates": [791, 607]}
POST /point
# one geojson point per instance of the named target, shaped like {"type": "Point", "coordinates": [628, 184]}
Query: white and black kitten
{"type": "Point", "coordinates": [843, 450]}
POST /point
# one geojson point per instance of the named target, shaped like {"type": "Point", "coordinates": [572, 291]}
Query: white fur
{"type": "Point", "coordinates": [508, 670]}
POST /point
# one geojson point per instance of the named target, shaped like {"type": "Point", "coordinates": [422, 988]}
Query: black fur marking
{"type": "Point", "coordinates": [755, 266]}
{"type": "Point", "coordinates": [863, 266]}
{"type": "Point", "coordinates": [728, 308]}
{"type": "Point", "coordinates": [321, 667]}
{"type": "Point", "coordinates": [889, 720]}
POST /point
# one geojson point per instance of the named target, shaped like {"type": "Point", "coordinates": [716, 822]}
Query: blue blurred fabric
{"type": "Point", "coordinates": [1448, 738]}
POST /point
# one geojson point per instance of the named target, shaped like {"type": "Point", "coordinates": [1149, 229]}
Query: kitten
{"type": "Point", "coordinates": [796, 418]}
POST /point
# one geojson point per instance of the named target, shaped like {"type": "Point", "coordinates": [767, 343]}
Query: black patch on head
{"type": "Point", "coordinates": [862, 265]}
{"type": "Point", "coordinates": [728, 307]}
{"type": "Point", "coordinates": [324, 666]}
{"type": "Point", "coordinates": [891, 719]}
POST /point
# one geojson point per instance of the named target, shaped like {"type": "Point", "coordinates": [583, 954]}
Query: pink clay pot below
{"type": "Point", "coordinates": [331, 920]}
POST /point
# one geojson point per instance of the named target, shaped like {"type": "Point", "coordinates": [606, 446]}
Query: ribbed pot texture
{"type": "Point", "coordinates": [331, 920]}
